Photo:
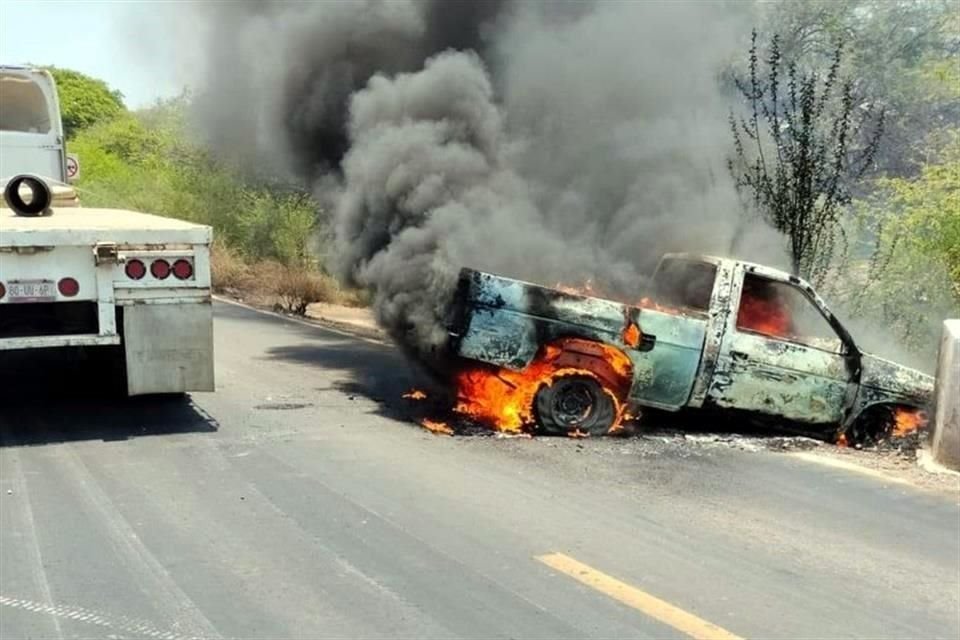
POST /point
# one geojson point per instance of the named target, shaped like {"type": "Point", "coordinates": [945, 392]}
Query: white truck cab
{"type": "Point", "coordinates": [133, 286]}
{"type": "Point", "coordinates": [31, 130]}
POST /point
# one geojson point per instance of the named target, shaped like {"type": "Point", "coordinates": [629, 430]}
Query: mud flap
{"type": "Point", "coordinates": [169, 347]}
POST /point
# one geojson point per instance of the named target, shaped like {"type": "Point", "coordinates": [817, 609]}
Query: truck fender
{"type": "Point", "coordinates": [610, 365]}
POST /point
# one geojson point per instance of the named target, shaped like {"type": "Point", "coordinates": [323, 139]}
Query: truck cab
{"type": "Point", "coordinates": [771, 345]}
{"type": "Point", "coordinates": [769, 342]}
{"type": "Point", "coordinates": [31, 130]}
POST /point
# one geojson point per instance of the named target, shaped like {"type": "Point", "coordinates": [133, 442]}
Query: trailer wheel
{"type": "Point", "coordinates": [574, 403]}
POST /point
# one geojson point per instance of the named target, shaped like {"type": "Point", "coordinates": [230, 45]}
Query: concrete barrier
{"type": "Point", "coordinates": [945, 435]}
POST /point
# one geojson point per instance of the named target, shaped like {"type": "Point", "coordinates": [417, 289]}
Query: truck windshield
{"type": "Point", "coordinates": [23, 105]}
{"type": "Point", "coordinates": [783, 311]}
{"type": "Point", "coordinates": [685, 284]}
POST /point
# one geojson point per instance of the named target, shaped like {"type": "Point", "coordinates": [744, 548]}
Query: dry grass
{"type": "Point", "coordinates": [228, 271]}
{"type": "Point", "coordinates": [355, 298]}
{"type": "Point", "coordinates": [272, 284]}
{"type": "Point", "coordinates": [297, 289]}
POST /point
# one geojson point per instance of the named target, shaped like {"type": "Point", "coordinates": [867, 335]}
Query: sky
{"type": "Point", "coordinates": [98, 38]}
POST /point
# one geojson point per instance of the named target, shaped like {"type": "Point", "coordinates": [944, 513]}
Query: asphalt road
{"type": "Point", "coordinates": [297, 501]}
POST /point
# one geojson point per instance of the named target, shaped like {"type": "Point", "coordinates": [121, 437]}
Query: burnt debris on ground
{"type": "Point", "coordinates": [434, 410]}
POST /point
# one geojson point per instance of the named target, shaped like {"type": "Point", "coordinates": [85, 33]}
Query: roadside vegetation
{"type": "Point", "coordinates": [268, 235]}
{"type": "Point", "coordinates": [846, 137]}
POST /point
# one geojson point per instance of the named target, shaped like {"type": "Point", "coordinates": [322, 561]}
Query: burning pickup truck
{"type": "Point", "coordinates": [715, 333]}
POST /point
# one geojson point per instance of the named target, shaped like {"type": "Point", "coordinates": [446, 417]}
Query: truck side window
{"type": "Point", "coordinates": [782, 311]}
{"type": "Point", "coordinates": [685, 283]}
{"type": "Point", "coordinates": [23, 105]}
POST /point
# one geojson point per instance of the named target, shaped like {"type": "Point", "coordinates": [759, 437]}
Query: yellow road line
{"type": "Point", "coordinates": [632, 597]}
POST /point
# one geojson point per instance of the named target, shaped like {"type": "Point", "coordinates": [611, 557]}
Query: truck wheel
{"type": "Point", "coordinates": [872, 426]}
{"type": "Point", "coordinates": [574, 403]}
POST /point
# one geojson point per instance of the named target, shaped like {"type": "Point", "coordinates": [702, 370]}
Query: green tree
{"type": "Point", "coordinates": [900, 279]}
{"type": "Point", "coordinates": [84, 101]}
{"type": "Point", "coordinates": [894, 48]}
{"type": "Point", "coordinates": [905, 276]}
{"type": "Point", "coordinates": [921, 216]}
{"type": "Point", "coordinates": [146, 161]}
{"type": "Point", "coordinates": [796, 157]}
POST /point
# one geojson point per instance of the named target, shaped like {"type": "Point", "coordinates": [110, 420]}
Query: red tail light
{"type": "Point", "coordinates": [160, 269]}
{"type": "Point", "coordinates": [68, 287]}
{"type": "Point", "coordinates": [3, 291]}
{"type": "Point", "coordinates": [182, 269]}
{"type": "Point", "coordinates": [135, 269]}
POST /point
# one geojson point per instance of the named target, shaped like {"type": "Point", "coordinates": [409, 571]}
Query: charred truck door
{"type": "Point", "coordinates": [779, 354]}
{"type": "Point", "coordinates": [665, 375]}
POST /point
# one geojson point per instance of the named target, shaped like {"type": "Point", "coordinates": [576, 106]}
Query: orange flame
{"type": "Point", "coordinates": [415, 394]}
{"type": "Point", "coordinates": [842, 441]}
{"type": "Point", "coordinates": [631, 335]}
{"type": "Point", "coordinates": [504, 398]}
{"type": "Point", "coordinates": [437, 427]}
{"type": "Point", "coordinates": [908, 420]}
{"type": "Point", "coordinates": [586, 289]}
{"type": "Point", "coordinates": [649, 303]}
{"type": "Point", "coordinates": [764, 314]}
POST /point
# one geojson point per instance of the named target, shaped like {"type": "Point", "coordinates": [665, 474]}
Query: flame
{"type": "Point", "coordinates": [435, 426]}
{"type": "Point", "coordinates": [588, 289]}
{"type": "Point", "coordinates": [842, 441]}
{"type": "Point", "coordinates": [649, 303]}
{"type": "Point", "coordinates": [504, 398]}
{"type": "Point", "coordinates": [631, 335]}
{"type": "Point", "coordinates": [585, 289]}
{"type": "Point", "coordinates": [764, 314]}
{"type": "Point", "coordinates": [501, 397]}
{"type": "Point", "coordinates": [908, 420]}
{"type": "Point", "coordinates": [415, 394]}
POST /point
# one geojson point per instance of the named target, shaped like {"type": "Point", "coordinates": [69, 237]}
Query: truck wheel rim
{"type": "Point", "coordinates": [573, 403]}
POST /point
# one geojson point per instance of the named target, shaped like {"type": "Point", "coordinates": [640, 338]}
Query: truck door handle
{"type": "Point", "coordinates": [738, 355]}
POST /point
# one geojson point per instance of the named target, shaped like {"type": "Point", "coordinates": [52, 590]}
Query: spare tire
{"type": "Point", "coordinates": [40, 199]}
{"type": "Point", "coordinates": [574, 403]}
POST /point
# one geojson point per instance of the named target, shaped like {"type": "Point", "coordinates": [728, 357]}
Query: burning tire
{"type": "Point", "coordinates": [884, 422]}
{"type": "Point", "coordinates": [574, 403]}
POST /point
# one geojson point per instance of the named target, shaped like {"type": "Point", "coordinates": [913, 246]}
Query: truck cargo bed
{"type": "Point", "coordinates": [87, 226]}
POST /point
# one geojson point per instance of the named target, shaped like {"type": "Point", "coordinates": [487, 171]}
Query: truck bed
{"type": "Point", "coordinates": [87, 226]}
{"type": "Point", "coordinates": [505, 323]}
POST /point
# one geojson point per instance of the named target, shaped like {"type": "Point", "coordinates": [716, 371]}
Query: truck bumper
{"type": "Point", "coordinates": [169, 347]}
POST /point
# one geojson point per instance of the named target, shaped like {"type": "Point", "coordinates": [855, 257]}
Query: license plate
{"type": "Point", "coordinates": [32, 291]}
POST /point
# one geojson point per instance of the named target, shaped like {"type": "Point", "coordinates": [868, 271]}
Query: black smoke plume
{"type": "Point", "coordinates": [546, 141]}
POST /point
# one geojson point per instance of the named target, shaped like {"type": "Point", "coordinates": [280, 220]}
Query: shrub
{"type": "Point", "coordinates": [298, 288]}
{"type": "Point", "coordinates": [142, 161]}
{"type": "Point", "coordinates": [267, 236]}
{"type": "Point", "coordinates": [228, 270]}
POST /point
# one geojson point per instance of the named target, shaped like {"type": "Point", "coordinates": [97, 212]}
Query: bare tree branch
{"type": "Point", "coordinates": [811, 125]}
